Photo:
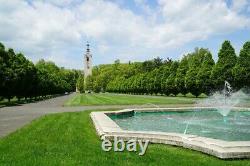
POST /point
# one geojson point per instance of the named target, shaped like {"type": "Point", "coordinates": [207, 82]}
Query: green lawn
{"type": "Point", "coordinates": [70, 139]}
{"type": "Point", "coordinates": [122, 99]}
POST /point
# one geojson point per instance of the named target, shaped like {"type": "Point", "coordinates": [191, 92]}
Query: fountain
{"type": "Point", "coordinates": [223, 101]}
{"type": "Point", "coordinates": [214, 122]}
{"type": "Point", "coordinates": [227, 90]}
{"type": "Point", "coordinates": [225, 108]}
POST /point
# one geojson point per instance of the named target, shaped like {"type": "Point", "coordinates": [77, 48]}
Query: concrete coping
{"type": "Point", "coordinates": [107, 129]}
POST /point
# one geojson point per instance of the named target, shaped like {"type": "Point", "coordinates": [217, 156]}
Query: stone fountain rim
{"type": "Point", "coordinates": [107, 129]}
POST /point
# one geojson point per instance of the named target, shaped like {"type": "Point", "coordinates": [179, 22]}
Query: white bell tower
{"type": "Point", "coordinates": [87, 62]}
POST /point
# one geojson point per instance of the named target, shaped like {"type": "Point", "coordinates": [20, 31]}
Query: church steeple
{"type": "Point", "coordinates": [87, 61]}
{"type": "Point", "coordinates": [88, 50]}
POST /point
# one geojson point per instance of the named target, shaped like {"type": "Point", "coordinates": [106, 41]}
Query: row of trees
{"type": "Point", "coordinates": [20, 78]}
{"type": "Point", "coordinates": [196, 73]}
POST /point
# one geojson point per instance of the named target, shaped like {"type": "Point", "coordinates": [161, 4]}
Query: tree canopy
{"type": "Point", "coordinates": [223, 68]}
{"type": "Point", "coordinates": [195, 73]}
{"type": "Point", "coordinates": [241, 71]}
{"type": "Point", "coordinates": [20, 78]}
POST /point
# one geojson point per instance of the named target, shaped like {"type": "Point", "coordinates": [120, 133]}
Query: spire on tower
{"type": "Point", "coordinates": [87, 61]}
{"type": "Point", "coordinates": [88, 50]}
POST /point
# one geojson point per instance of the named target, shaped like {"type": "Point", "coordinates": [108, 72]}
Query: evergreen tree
{"type": "Point", "coordinates": [10, 75]}
{"type": "Point", "coordinates": [223, 69]}
{"type": "Point", "coordinates": [203, 81]}
{"type": "Point", "coordinates": [89, 82]}
{"type": "Point", "coordinates": [180, 75]}
{"type": "Point", "coordinates": [166, 71]}
{"type": "Point", "coordinates": [170, 83]}
{"type": "Point", "coordinates": [241, 70]}
{"type": "Point", "coordinates": [80, 84]}
{"type": "Point", "coordinates": [3, 65]}
{"type": "Point", "coordinates": [195, 61]}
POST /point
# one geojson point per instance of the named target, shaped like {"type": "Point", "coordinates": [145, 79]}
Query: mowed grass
{"type": "Point", "coordinates": [123, 99]}
{"type": "Point", "coordinates": [70, 139]}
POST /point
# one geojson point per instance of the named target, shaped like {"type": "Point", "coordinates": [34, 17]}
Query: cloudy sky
{"type": "Point", "coordinates": [133, 30]}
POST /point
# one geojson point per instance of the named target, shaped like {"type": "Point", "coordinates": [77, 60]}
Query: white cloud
{"type": "Point", "coordinates": [198, 19]}
{"type": "Point", "coordinates": [239, 5]}
{"type": "Point", "coordinates": [56, 30]}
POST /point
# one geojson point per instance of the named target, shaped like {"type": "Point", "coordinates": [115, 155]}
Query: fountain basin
{"type": "Point", "coordinates": [168, 125]}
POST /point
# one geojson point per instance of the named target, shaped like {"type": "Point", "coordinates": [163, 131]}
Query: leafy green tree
{"type": "Point", "coordinates": [195, 61]}
{"type": "Point", "coordinates": [150, 82]}
{"type": "Point", "coordinates": [20, 78]}
{"type": "Point", "coordinates": [3, 66]}
{"type": "Point", "coordinates": [25, 77]}
{"type": "Point", "coordinates": [180, 75]}
{"type": "Point", "coordinates": [166, 71]}
{"type": "Point", "coordinates": [70, 77]}
{"type": "Point", "coordinates": [10, 75]}
{"type": "Point", "coordinates": [157, 76]}
{"type": "Point", "coordinates": [190, 78]}
{"type": "Point", "coordinates": [147, 66]}
{"type": "Point", "coordinates": [170, 82]}
{"type": "Point", "coordinates": [53, 80]}
{"type": "Point", "coordinates": [80, 84]}
{"type": "Point", "coordinates": [157, 62]}
{"type": "Point", "coordinates": [150, 65]}
{"type": "Point", "coordinates": [89, 83]}
{"type": "Point", "coordinates": [203, 81]}
{"type": "Point", "coordinates": [223, 69]}
{"type": "Point", "coordinates": [241, 71]}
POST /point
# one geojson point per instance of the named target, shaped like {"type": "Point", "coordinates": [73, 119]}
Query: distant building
{"type": "Point", "coordinates": [87, 62]}
{"type": "Point", "coordinates": [87, 66]}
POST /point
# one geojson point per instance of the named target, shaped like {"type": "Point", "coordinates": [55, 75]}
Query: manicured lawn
{"type": "Point", "coordinates": [122, 99]}
{"type": "Point", "coordinates": [70, 139]}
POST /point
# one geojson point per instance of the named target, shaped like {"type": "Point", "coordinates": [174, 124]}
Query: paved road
{"type": "Point", "coordinates": [14, 117]}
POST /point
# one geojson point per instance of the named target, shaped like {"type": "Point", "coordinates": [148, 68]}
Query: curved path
{"type": "Point", "coordinates": [14, 117]}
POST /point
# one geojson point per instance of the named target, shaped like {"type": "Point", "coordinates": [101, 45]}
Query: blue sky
{"type": "Point", "coordinates": [134, 30]}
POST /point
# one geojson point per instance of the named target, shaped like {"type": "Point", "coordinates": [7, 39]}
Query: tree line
{"type": "Point", "coordinates": [20, 78]}
{"type": "Point", "coordinates": [195, 73]}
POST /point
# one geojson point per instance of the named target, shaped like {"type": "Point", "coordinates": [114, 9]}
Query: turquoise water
{"type": "Point", "coordinates": [206, 123]}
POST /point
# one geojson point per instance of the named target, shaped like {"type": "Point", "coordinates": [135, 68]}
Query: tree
{"type": "Point", "coordinates": [190, 78]}
{"type": "Point", "coordinates": [26, 77]}
{"type": "Point", "coordinates": [148, 66]}
{"type": "Point", "coordinates": [166, 71]}
{"type": "Point", "coordinates": [20, 78]}
{"type": "Point", "coordinates": [180, 75]}
{"type": "Point", "coordinates": [195, 60]}
{"type": "Point", "coordinates": [241, 71]}
{"type": "Point", "coordinates": [53, 80]}
{"type": "Point", "coordinates": [203, 81]}
{"type": "Point", "coordinates": [170, 82]}
{"type": "Point", "coordinates": [10, 75]}
{"type": "Point", "coordinates": [158, 62]}
{"type": "Point", "coordinates": [158, 74]}
{"type": "Point", "coordinates": [80, 84]}
{"type": "Point", "coordinates": [3, 65]}
{"type": "Point", "coordinates": [89, 83]}
{"type": "Point", "coordinates": [223, 69]}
